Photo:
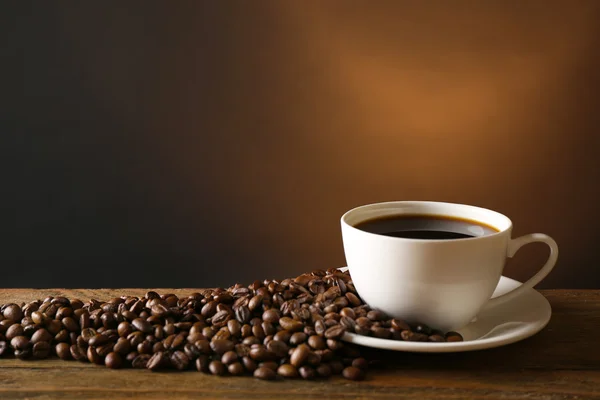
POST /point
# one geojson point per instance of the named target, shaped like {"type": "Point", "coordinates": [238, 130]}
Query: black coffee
{"type": "Point", "coordinates": [432, 227]}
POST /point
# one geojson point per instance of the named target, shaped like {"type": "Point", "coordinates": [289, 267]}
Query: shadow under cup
{"type": "Point", "coordinates": [441, 283]}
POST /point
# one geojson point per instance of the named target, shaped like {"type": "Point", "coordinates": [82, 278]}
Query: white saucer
{"type": "Point", "coordinates": [495, 326]}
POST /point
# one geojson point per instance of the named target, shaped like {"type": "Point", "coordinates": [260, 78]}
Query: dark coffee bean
{"type": "Point", "coordinates": [157, 361]}
{"type": "Point", "coordinates": [287, 371]}
{"type": "Point", "coordinates": [330, 309]}
{"type": "Point", "coordinates": [63, 351]}
{"type": "Point", "coordinates": [348, 312]}
{"type": "Point", "coordinates": [335, 332]}
{"type": "Point", "coordinates": [414, 337]}
{"type": "Point", "coordinates": [14, 331]}
{"type": "Point", "coordinates": [136, 338]}
{"type": "Point", "coordinates": [229, 357]}
{"type": "Point", "coordinates": [422, 328]}
{"type": "Point", "coordinates": [105, 349]}
{"type": "Point", "coordinates": [122, 346]}
{"type": "Point", "coordinates": [317, 342]}
{"type": "Point", "coordinates": [299, 355]}
{"type": "Point", "coordinates": [249, 364]}
{"type": "Point", "coordinates": [250, 340]}
{"type": "Point", "coordinates": [454, 337]}
{"type": "Point", "coordinates": [400, 325]}
{"type": "Point", "coordinates": [307, 372]}
{"type": "Point", "coordinates": [324, 370]}
{"type": "Point", "coordinates": [258, 332]}
{"type": "Point", "coordinates": [334, 345]}
{"type": "Point", "coordinates": [203, 346]}
{"type": "Point", "coordinates": [268, 328]}
{"type": "Point", "coordinates": [13, 312]}
{"type": "Point", "coordinates": [41, 349]}
{"type": "Point", "coordinates": [221, 346]}
{"type": "Point", "coordinates": [113, 360]}
{"type": "Point", "coordinates": [298, 338]}
{"type": "Point", "coordinates": [20, 342]}
{"type": "Point", "coordinates": [336, 367]}
{"type": "Point", "coordinates": [209, 309]}
{"type": "Point", "coordinates": [84, 320]}
{"type": "Point", "coordinates": [98, 340]}
{"type": "Point", "coordinates": [87, 334]}
{"type": "Point", "coordinates": [217, 368]}
{"type": "Point", "coordinates": [93, 356]}
{"type": "Point", "coordinates": [260, 353]}
{"type": "Point", "coordinates": [23, 354]}
{"type": "Point", "coordinates": [376, 315]}
{"type": "Point", "coordinates": [382, 333]}
{"type": "Point", "coordinates": [138, 361]}
{"type": "Point", "coordinates": [62, 336]}
{"type": "Point", "coordinates": [283, 336]}
{"type": "Point", "coordinates": [436, 338]}
{"type": "Point", "coordinates": [353, 373]}
{"type": "Point", "coordinates": [280, 349]}
{"type": "Point", "coordinates": [265, 373]}
{"type": "Point", "coordinates": [144, 348]}
{"type": "Point", "coordinates": [234, 327]}
{"type": "Point", "coordinates": [320, 328]}
{"type": "Point", "coordinates": [202, 363]}
{"type": "Point", "coordinates": [269, 364]}
{"type": "Point", "coordinates": [141, 325]}
{"type": "Point", "coordinates": [313, 358]}
{"type": "Point", "coordinates": [290, 324]}
{"type": "Point", "coordinates": [41, 335]}
{"type": "Point", "coordinates": [360, 363]}
{"type": "Point", "coordinates": [179, 360]}
{"type": "Point", "coordinates": [235, 368]}
{"type": "Point", "coordinates": [243, 314]}
{"type": "Point", "coordinates": [362, 330]}
{"type": "Point", "coordinates": [178, 341]}
{"type": "Point", "coordinates": [77, 353]}
{"type": "Point", "coordinates": [220, 318]}
{"type": "Point", "coordinates": [272, 315]}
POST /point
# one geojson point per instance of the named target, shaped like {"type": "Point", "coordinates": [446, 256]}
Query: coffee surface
{"type": "Point", "coordinates": [428, 227]}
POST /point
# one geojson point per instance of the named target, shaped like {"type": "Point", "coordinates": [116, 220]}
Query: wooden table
{"type": "Point", "coordinates": [561, 362]}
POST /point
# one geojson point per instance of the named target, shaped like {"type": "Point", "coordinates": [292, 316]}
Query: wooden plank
{"type": "Point", "coordinates": [561, 362]}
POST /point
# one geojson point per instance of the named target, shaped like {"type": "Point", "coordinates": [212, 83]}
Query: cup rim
{"type": "Point", "coordinates": [365, 207]}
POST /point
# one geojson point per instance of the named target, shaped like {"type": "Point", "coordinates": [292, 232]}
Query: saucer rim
{"type": "Point", "coordinates": [469, 345]}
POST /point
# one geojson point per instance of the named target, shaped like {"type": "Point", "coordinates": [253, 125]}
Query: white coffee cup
{"type": "Point", "coordinates": [441, 283]}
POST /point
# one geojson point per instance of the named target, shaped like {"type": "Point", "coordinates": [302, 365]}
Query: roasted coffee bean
{"type": "Point", "coordinates": [422, 328]}
{"type": "Point", "coordinates": [299, 355]}
{"type": "Point", "coordinates": [77, 353]}
{"type": "Point", "coordinates": [353, 373]}
{"type": "Point", "coordinates": [258, 332]}
{"type": "Point", "coordinates": [14, 331]}
{"type": "Point", "coordinates": [283, 336]}
{"type": "Point", "coordinates": [250, 340]}
{"type": "Point", "coordinates": [323, 370]}
{"type": "Point", "coordinates": [20, 342]}
{"type": "Point", "coordinates": [234, 327]}
{"type": "Point", "coordinates": [138, 360]}
{"type": "Point", "coordinates": [334, 345]}
{"type": "Point", "coordinates": [217, 368]}
{"type": "Point", "coordinates": [144, 348]}
{"type": "Point", "coordinates": [113, 360]}
{"type": "Point", "coordinates": [202, 363]}
{"type": "Point", "coordinates": [141, 325]}
{"type": "Point", "coordinates": [376, 315]}
{"type": "Point", "coordinates": [298, 338]}
{"type": "Point", "coordinates": [271, 315]}
{"type": "Point", "coordinates": [414, 337]}
{"type": "Point", "coordinates": [260, 353]}
{"type": "Point", "coordinates": [268, 328]}
{"type": "Point", "coordinates": [23, 354]}
{"type": "Point", "coordinates": [236, 368]}
{"type": "Point", "coordinates": [280, 349]}
{"type": "Point", "coordinates": [287, 371]}
{"type": "Point", "coordinates": [221, 346]}
{"type": "Point", "coordinates": [41, 335]}
{"type": "Point", "coordinates": [307, 372]}
{"type": "Point", "coordinates": [98, 340]}
{"type": "Point", "coordinates": [454, 337]}
{"type": "Point", "coordinates": [203, 346]}
{"type": "Point", "coordinates": [335, 332]}
{"type": "Point", "coordinates": [436, 338]}
{"type": "Point", "coordinates": [400, 325]}
{"type": "Point", "coordinates": [243, 314]}
{"type": "Point", "coordinates": [320, 328]}
{"type": "Point", "coordinates": [382, 333]}
{"type": "Point", "coordinates": [63, 351]}
{"type": "Point", "coordinates": [13, 312]}
{"type": "Point", "coordinates": [290, 324]}
{"type": "Point", "coordinates": [249, 364]}
{"type": "Point", "coordinates": [265, 373]}
{"type": "Point", "coordinates": [122, 346]}
{"type": "Point", "coordinates": [93, 356]}
{"type": "Point", "coordinates": [179, 360]}
{"type": "Point", "coordinates": [105, 349]}
{"type": "Point", "coordinates": [317, 342]}
{"type": "Point", "coordinates": [269, 364]}
{"type": "Point", "coordinates": [361, 363]}
{"type": "Point", "coordinates": [157, 361]}
{"type": "Point", "coordinates": [41, 349]}
{"type": "Point", "coordinates": [229, 357]}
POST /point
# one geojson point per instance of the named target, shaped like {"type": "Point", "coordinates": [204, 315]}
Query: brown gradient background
{"type": "Point", "coordinates": [202, 143]}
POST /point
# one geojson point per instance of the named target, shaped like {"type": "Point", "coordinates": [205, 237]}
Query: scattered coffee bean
{"type": "Point", "coordinates": [113, 360]}
{"type": "Point", "coordinates": [217, 368]}
{"type": "Point", "coordinates": [287, 371]}
{"type": "Point", "coordinates": [353, 373]}
{"type": "Point", "coordinates": [265, 373]}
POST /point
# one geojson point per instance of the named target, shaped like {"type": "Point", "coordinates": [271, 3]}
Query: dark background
{"type": "Point", "coordinates": [200, 143]}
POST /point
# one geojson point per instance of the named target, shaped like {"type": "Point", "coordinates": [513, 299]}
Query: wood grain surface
{"type": "Point", "coordinates": [561, 362]}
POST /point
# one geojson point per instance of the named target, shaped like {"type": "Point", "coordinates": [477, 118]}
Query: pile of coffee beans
{"type": "Point", "coordinates": [290, 329]}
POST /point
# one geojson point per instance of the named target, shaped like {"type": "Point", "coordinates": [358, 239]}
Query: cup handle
{"type": "Point", "coordinates": [513, 246]}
